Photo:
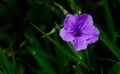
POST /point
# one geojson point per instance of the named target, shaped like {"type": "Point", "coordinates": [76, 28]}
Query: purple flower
{"type": "Point", "coordinates": [79, 30]}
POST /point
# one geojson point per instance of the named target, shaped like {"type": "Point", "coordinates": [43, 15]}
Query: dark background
{"type": "Point", "coordinates": [20, 40]}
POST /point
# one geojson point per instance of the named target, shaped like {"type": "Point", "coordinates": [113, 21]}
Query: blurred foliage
{"type": "Point", "coordinates": [30, 42]}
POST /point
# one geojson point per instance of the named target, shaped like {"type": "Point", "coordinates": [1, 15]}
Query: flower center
{"type": "Point", "coordinates": [77, 34]}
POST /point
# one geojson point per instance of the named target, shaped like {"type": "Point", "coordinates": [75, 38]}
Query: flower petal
{"type": "Point", "coordinates": [70, 20]}
{"type": "Point", "coordinates": [92, 39]}
{"type": "Point", "coordinates": [65, 35]}
{"type": "Point", "coordinates": [91, 34]}
{"type": "Point", "coordinates": [89, 20]}
{"type": "Point", "coordinates": [84, 20]}
{"type": "Point", "coordinates": [79, 43]}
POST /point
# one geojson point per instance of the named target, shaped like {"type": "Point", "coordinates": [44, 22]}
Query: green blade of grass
{"type": "Point", "coordinates": [114, 49]}
{"type": "Point", "coordinates": [15, 69]}
{"type": "Point", "coordinates": [115, 69]}
{"type": "Point", "coordinates": [101, 70]}
{"type": "Point", "coordinates": [73, 6]}
{"type": "Point", "coordinates": [91, 60]}
{"type": "Point", "coordinates": [61, 62]}
{"type": "Point", "coordinates": [37, 45]}
{"type": "Point", "coordinates": [109, 19]}
{"type": "Point", "coordinates": [78, 54]}
{"type": "Point", "coordinates": [21, 69]}
{"type": "Point", "coordinates": [4, 63]}
{"type": "Point", "coordinates": [12, 7]}
{"type": "Point", "coordinates": [65, 12]}
{"type": "Point", "coordinates": [41, 61]}
{"type": "Point", "coordinates": [2, 70]}
{"type": "Point", "coordinates": [106, 59]}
